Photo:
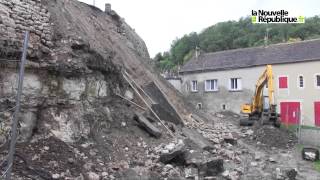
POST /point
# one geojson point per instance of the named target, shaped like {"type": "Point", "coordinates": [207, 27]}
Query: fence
{"type": "Point", "coordinates": [307, 135]}
{"type": "Point", "coordinates": [10, 157]}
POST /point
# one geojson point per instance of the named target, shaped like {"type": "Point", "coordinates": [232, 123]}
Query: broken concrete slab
{"type": "Point", "coordinates": [310, 154]}
{"type": "Point", "coordinates": [162, 106]}
{"type": "Point", "coordinates": [165, 114]}
{"type": "Point", "coordinates": [197, 139]}
{"type": "Point", "coordinates": [147, 125]}
{"type": "Point", "coordinates": [211, 167]}
{"type": "Point", "coordinates": [177, 155]}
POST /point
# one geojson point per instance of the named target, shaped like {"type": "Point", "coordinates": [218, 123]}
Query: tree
{"type": "Point", "coordinates": [235, 34]}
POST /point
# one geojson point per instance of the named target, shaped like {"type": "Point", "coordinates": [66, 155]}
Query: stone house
{"type": "Point", "coordinates": [224, 80]}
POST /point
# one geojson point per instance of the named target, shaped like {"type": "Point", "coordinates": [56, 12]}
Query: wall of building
{"type": "Point", "coordinates": [176, 83]}
{"type": "Point", "coordinates": [307, 95]}
{"type": "Point", "coordinates": [215, 101]}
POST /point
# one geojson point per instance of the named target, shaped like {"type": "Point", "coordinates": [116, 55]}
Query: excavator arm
{"type": "Point", "coordinates": [255, 109]}
{"type": "Point", "coordinates": [265, 78]}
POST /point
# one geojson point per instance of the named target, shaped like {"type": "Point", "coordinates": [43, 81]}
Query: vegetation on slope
{"type": "Point", "coordinates": [232, 35]}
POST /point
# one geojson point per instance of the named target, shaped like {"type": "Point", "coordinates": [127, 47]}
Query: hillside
{"type": "Point", "coordinates": [232, 35]}
{"type": "Point", "coordinates": [84, 75]}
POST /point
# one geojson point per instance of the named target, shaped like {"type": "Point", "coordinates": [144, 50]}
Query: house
{"type": "Point", "coordinates": [175, 82]}
{"type": "Point", "coordinates": [224, 80]}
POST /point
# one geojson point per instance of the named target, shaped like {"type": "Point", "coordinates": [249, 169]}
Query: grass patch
{"type": "Point", "coordinates": [317, 165]}
{"type": "Point", "coordinates": [292, 127]}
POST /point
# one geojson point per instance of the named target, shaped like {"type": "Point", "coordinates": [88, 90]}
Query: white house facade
{"type": "Point", "coordinates": [224, 80]}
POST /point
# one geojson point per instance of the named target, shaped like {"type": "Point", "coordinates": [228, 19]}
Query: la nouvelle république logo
{"type": "Point", "coordinates": [281, 16]}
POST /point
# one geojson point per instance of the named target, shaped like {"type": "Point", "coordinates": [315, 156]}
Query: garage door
{"type": "Point", "coordinates": [290, 112]}
{"type": "Point", "coordinates": [317, 113]}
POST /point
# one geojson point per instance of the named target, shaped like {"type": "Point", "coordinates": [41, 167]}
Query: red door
{"type": "Point", "coordinates": [290, 112]}
{"type": "Point", "coordinates": [317, 113]}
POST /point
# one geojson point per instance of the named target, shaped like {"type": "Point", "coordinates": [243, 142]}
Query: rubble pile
{"type": "Point", "coordinates": [207, 150]}
{"type": "Point", "coordinates": [274, 137]}
{"type": "Point", "coordinates": [235, 154]}
{"type": "Point", "coordinates": [187, 162]}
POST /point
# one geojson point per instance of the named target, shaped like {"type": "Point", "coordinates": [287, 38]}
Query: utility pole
{"type": "Point", "coordinates": [197, 52]}
{"type": "Point", "coordinates": [266, 38]}
{"type": "Point", "coordinates": [94, 2]}
{"type": "Point", "coordinates": [17, 110]}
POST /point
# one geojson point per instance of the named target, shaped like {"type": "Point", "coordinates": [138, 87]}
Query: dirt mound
{"type": "Point", "coordinates": [274, 137]}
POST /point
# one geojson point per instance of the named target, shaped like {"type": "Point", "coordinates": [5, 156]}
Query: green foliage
{"type": "Point", "coordinates": [235, 34]}
{"type": "Point", "coordinates": [181, 47]}
{"type": "Point", "coordinates": [317, 165]}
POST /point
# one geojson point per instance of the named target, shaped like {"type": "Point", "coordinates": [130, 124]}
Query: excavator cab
{"type": "Point", "coordinates": [266, 104]}
{"type": "Point", "coordinates": [246, 108]}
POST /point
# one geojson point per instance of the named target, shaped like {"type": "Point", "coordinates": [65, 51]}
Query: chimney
{"type": "Point", "coordinates": [197, 52]}
{"type": "Point", "coordinates": [266, 37]}
{"type": "Point", "coordinates": [107, 8]}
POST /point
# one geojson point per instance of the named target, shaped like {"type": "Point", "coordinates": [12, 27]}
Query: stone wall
{"type": "Point", "coordinates": [310, 136]}
{"type": "Point", "coordinates": [18, 16]}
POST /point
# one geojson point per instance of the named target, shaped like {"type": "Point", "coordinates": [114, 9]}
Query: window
{"type": "Point", "coordinates": [300, 81]}
{"type": "Point", "coordinates": [318, 81]}
{"type": "Point", "coordinates": [283, 82]}
{"type": "Point", "coordinates": [211, 85]}
{"type": "Point", "coordinates": [235, 84]}
{"type": "Point", "coordinates": [194, 86]}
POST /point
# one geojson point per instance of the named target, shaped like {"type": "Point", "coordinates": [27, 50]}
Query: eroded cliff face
{"type": "Point", "coordinates": [76, 59]}
{"type": "Point", "coordinates": [72, 78]}
{"type": "Point", "coordinates": [64, 74]}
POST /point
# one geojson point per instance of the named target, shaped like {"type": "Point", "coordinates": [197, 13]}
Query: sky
{"type": "Point", "coordinates": [159, 22]}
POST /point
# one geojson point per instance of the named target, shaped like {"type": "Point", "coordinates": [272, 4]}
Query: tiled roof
{"type": "Point", "coordinates": [256, 56]}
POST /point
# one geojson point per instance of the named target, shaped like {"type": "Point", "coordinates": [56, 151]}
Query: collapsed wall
{"type": "Point", "coordinates": [58, 77]}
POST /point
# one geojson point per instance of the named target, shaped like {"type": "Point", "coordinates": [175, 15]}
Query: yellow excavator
{"type": "Point", "coordinates": [262, 108]}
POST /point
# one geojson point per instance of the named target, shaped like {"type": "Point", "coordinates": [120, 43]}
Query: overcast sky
{"type": "Point", "coordinates": [159, 22]}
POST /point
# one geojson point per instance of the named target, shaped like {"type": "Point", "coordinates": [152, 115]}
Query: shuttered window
{"type": "Point", "coordinates": [283, 82]}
